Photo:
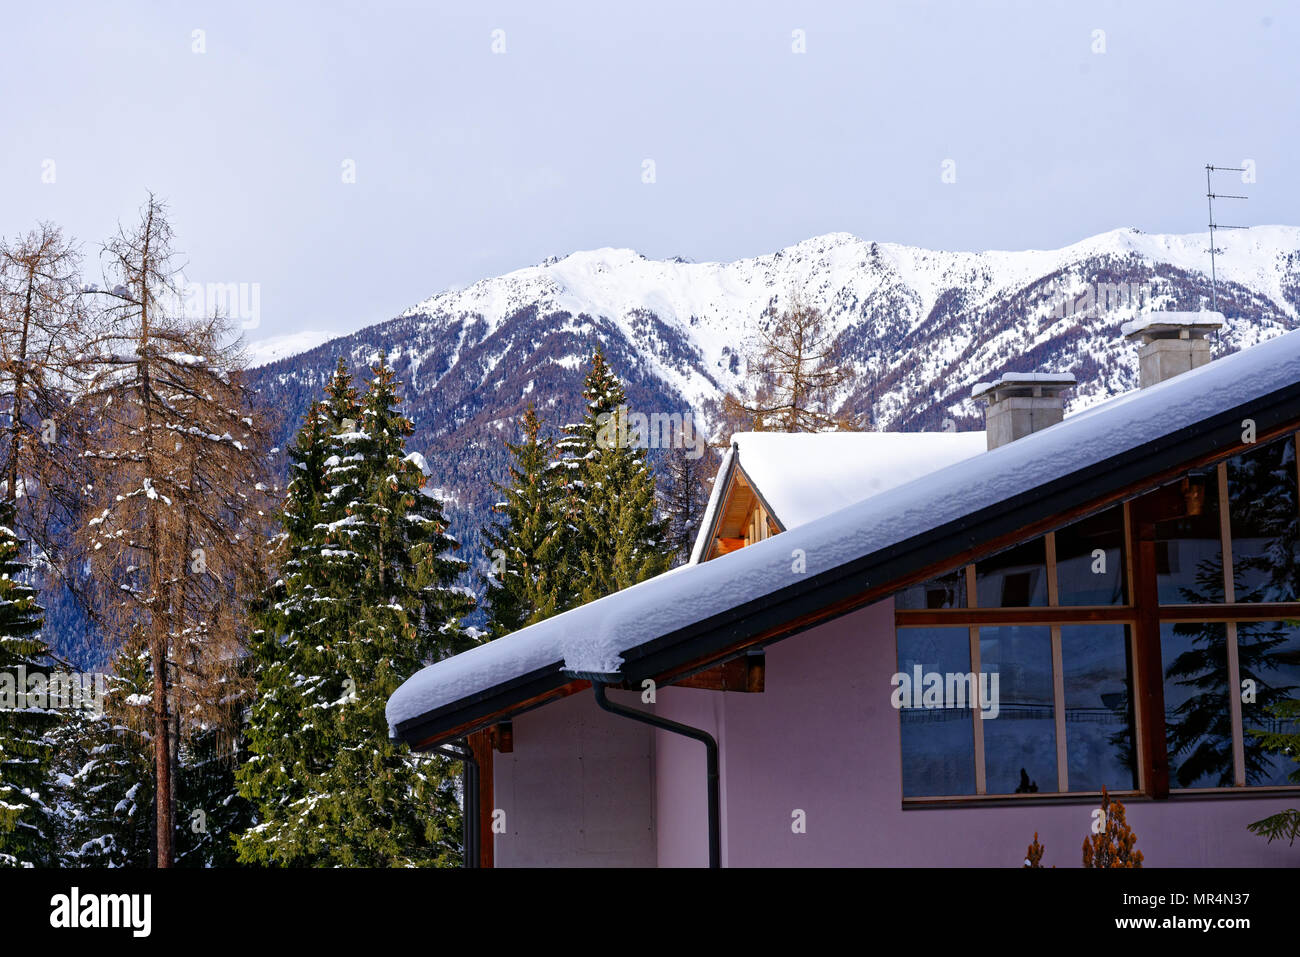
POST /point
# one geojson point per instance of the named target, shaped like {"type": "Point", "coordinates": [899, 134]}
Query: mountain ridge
{"type": "Point", "coordinates": [919, 327]}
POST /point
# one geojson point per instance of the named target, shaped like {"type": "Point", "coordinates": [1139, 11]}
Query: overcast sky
{"type": "Point", "coordinates": [470, 162]}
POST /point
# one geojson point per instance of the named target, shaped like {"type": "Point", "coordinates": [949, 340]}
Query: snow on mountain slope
{"type": "Point", "coordinates": [718, 307]}
{"type": "Point", "coordinates": [261, 352]}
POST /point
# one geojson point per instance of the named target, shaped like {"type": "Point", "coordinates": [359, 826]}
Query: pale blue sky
{"type": "Point", "coordinates": [471, 163]}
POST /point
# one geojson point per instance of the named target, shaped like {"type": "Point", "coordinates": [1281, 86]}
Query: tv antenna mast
{"type": "Point", "coordinates": [1211, 196]}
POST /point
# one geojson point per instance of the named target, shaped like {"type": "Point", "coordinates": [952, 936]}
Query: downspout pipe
{"type": "Point", "coordinates": [710, 757]}
{"type": "Point", "coordinates": [470, 792]}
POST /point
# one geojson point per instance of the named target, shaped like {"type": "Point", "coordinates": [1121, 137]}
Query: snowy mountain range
{"type": "Point", "coordinates": [919, 326]}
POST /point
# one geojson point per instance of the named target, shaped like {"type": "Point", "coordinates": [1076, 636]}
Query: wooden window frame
{"type": "Point", "coordinates": [1144, 615]}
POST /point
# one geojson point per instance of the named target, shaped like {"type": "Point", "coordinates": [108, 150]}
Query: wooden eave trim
{"type": "Point", "coordinates": [744, 673]}
{"type": "Point", "coordinates": [1082, 614]}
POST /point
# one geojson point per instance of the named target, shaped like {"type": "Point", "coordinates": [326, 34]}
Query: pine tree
{"type": "Point", "coordinates": [380, 806]}
{"type": "Point", "coordinates": [43, 359]}
{"type": "Point", "coordinates": [109, 788]}
{"type": "Point", "coordinates": [614, 535]}
{"type": "Point", "coordinates": [28, 825]}
{"type": "Point", "coordinates": [373, 599]}
{"type": "Point", "coordinates": [525, 546]}
{"type": "Point", "coordinates": [796, 374]}
{"type": "Point", "coordinates": [290, 735]}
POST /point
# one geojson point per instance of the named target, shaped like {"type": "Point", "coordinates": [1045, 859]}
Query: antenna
{"type": "Point", "coordinates": [1211, 196]}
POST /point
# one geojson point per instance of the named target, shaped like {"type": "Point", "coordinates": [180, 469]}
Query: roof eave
{"type": "Point", "coordinates": [886, 567]}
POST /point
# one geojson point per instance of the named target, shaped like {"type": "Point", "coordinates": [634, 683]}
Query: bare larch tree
{"type": "Point", "coordinates": [42, 337]}
{"type": "Point", "coordinates": [175, 500]}
{"type": "Point", "coordinates": [795, 374]}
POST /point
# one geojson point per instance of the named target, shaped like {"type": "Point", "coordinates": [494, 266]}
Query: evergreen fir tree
{"type": "Point", "coordinates": [615, 537]}
{"type": "Point", "coordinates": [525, 546]}
{"type": "Point", "coordinates": [28, 823]}
{"type": "Point", "coordinates": [109, 791]}
{"type": "Point", "coordinates": [378, 805]}
{"type": "Point", "coordinates": [290, 735]}
{"type": "Point", "coordinates": [368, 597]}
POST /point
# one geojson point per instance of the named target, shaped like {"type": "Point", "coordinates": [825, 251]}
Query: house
{"type": "Point", "coordinates": [929, 673]}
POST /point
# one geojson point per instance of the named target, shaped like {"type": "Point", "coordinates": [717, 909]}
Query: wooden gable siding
{"type": "Point", "coordinates": [743, 517]}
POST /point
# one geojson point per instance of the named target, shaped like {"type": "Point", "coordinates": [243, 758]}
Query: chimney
{"type": "Point", "coordinates": [1020, 403]}
{"type": "Point", "coordinates": [1170, 343]}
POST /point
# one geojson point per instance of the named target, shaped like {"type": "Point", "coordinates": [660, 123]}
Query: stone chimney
{"type": "Point", "coordinates": [1170, 343]}
{"type": "Point", "coordinates": [1020, 403]}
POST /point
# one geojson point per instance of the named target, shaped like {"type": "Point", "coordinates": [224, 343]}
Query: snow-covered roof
{"type": "Point", "coordinates": [1170, 321]}
{"type": "Point", "coordinates": [1061, 460]}
{"type": "Point", "coordinates": [802, 476]}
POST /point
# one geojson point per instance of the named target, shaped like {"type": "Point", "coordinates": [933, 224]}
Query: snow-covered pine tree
{"type": "Point", "coordinates": [368, 597]}
{"type": "Point", "coordinates": [291, 734]}
{"type": "Point", "coordinates": [379, 805]}
{"type": "Point", "coordinates": [108, 760]}
{"type": "Point", "coordinates": [615, 536]}
{"type": "Point", "coordinates": [525, 546]}
{"type": "Point", "coordinates": [28, 824]}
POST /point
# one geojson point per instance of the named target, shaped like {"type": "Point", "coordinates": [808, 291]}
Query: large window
{"type": "Point", "coordinates": [1199, 708]}
{"type": "Point", "coordinates": [1189, 548]}
{"type": "Point", "coordinates": [948, 591]}
{"type": "Point", "coordinates": [1198, 712]}
{"type": "Point", "coordinates": [1044, 634]}
{"type": "Point", "coordinates": [1263, 516]}
{"type": "Point", "coordinates": [1269, 652]}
